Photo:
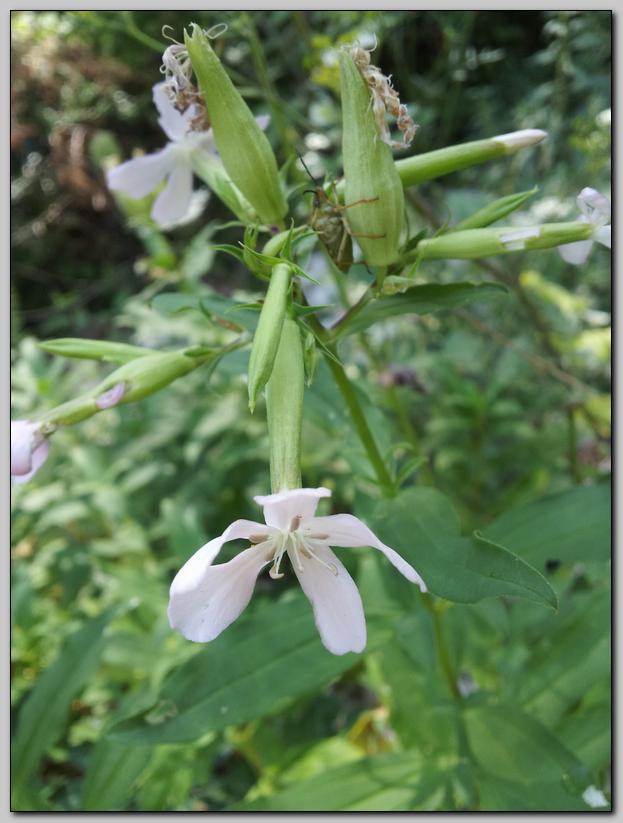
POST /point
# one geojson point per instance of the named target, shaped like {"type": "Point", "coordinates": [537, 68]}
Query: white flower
{"type": "Point", "coordinates": [140, 176]}
{"type": "Point", "coordinates": [595, 208]}
{"type": "Point", "coordinates": [29, 450]}
{"type": "Point", "coordinates": [205, 599]}
{"type": "Point", "coordinates": [175, 162]}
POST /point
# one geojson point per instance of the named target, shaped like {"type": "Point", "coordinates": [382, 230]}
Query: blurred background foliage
{"type": "Point", "coordinates": [497, 404]}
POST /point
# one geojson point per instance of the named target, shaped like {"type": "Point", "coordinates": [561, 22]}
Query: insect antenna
{"type": "Point", "coordinates": [311, 176]}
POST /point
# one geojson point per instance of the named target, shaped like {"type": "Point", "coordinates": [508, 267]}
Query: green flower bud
{"type": "Point", "coordinates": [93, 349]}
{"type": "Point", "coordinates": [473, 243]}
{"type": "Point", "coordinates": [370, 173]}
{"type": "Point", "coordinates": [244, 148]}
{"type": "Point", "coordinates": [268, 332]}
{"type": "Point", "coordinates": [132, 381]}
{"type": "Point", "coordinates": [432, 164]}
{"type": "Point", "coordinates": [494, 211]}
{"type": "Point", "coordinates": [284, 408]}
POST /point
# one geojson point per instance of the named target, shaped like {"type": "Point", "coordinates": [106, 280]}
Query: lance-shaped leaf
{"type": "Point", "coordinates": [94, 349]}
{"type": "Point", "coordinates": [422, 525]}
{"type": "Point", "coordinates": [424, 299]}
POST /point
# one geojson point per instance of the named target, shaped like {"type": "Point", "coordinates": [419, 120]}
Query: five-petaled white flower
{"type": "Point", "coordinates": [29, 450]}
{"type": "Point", "coordinates": [140, 176]}
{"type": "Point", "coordinates": [595, 208]}
{"type": "Point", "coordinates": [205, 599]}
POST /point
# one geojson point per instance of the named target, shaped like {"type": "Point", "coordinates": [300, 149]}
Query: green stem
{"type": "Point", "coordinates": [442, 650]}
{"type": "Point", "coordinates": [349, 396]}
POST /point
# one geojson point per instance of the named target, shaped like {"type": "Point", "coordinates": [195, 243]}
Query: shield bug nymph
{"type": "Point", "coordinates": [329, 222]}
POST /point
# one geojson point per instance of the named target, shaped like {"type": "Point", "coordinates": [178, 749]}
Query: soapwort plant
{"type": "Point", "coordinates": [359, 221]}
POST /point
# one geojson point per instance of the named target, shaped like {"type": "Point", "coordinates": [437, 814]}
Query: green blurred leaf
{"type": "Point", "coordinates": [424, 299]}
{"type": "Point", "coordinates": [112, 770]}
{"type": "Point", "coordinates": [392, 782]}
{"type": "Point", "coordinates": [254, 668]}
{"type": "Point", "coordinates": [570, 527]}
{"type": "Point", "coordinates": [512, 745]}
{"type": "Point", "coordinates": [44, 714]}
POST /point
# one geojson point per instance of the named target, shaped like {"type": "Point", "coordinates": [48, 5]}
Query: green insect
{"type": "Point", "coordinates": [329, 222]}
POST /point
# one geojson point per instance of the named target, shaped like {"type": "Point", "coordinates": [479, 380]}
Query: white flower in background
{"type": "Point", "coordinates": [29, 450]}
{"type": "Point", "coordinates": [140, 176]}
{"type": "Point", "coordinates": [205, 599]}
{"type": "Point", "coordinates": [595, 208]}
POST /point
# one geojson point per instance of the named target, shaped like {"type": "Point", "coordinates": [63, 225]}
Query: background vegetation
{"type": "Point", "coordinates": [504, 406]}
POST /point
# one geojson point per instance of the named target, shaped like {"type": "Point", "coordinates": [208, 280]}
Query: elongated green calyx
{"type": "Point", "coordinates": [268, 332]}
{"type": "Point", "coordinates": [132, 381]}
{"type": "Point", "coordinates": [473, 243]}
{"type": "Point", "coordinates": [370, 173]}
{"type": "Point", "coordinates": [284, 408]}
{"type": "Point", "coordinates": [211, 171]}
{"type": "Point", "coordinates": [244, 148]}
{"type": "Point", "coordinates": [432, 164]}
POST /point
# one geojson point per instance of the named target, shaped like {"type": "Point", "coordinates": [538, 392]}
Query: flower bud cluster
{"type": "Point", "coordinates": [385, 100]}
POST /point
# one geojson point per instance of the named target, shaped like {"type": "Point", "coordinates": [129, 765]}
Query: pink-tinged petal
{"type": "Point", "coordinates": [338, 610]}
{"type": "Point", "coordinates": [22, 446]}
{"type": "Point", "coordinates": [280, 509]}
{"type": "Point", "coordinates": [111, 397]}
{"type": "Point", "coordinates": [141, 175]}
{"type": "Point", "coordinates": [594, 205]}
{"type": "Point", "coordinates": [39, 456]}
{"type": "Point", "coordinates": [174, 201]}
{"type": "Point", "coordinates": [346, 530]}
{"type": "Point", "coordinates": [218, 597]}
{"type": "Point", "coordinates": [576, 253]}
{"type": "Point", "coordinates": [190, 575]}
{"type": "Point", "coordinates": [263, 121]}
{"type": "Point", "coordinates": [603, 235]}
{"type": "Point", "coordinates": [172, 122]}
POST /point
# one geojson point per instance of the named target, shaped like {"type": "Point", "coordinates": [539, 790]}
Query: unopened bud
{"type": "Point", "coordinates": [268, 332]}
{"type": "Point", "coordinates": [29, 449]}
{"type": "Point", "coordinates": [310, 356]}
{"type": "Point", "coordinates": [85, 349]}
{"type": "Point", "coordinates": [432, 164]}
{"type": "Point", "coordinates": [244, 148]}
{"type": "Point", "coordinates": [474, 243]}
{"type": "Point", "coordinates": [284, 408]}
{"type": "Point", "coordinates": [494, 211]}
{"type": "Point", "coordinates": [373, 194]}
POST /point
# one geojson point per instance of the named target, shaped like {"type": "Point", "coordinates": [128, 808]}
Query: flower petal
{"type": "Point", "coordinates": [172, 122]}
{"type": "Point", "coordinates": [22, 446]}
{"type": "Point", "coordinates": [603, 235]}
{"type": "Point", "coordinates": [338, 610]}
{"type": "Point", "coordinates": [281, 508]}
{"type": "Point", "coordinates": [218, 597]}
{"type": "Point", "coordinates": [190, 575]}
{"type": "Point", "coordinates": [594, 205]}
{"type": "Point", "coordinates": [348, 530]}
{"type": "Point", "coordinates": [141, 175]}
{"type": "Point", "coordinates": [39, 456]}
{"type": "Point", "coordinates": [174, 200]}
{"type": "Point", "coordinates": [576, 253]}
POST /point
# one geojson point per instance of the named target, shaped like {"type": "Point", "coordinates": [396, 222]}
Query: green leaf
{"type": "Point", "coordinates": [255, 667]}
{"type": "Point", "coordinates": [424, 299]}
{"type": "Point", "coordinates": [422, 525]}
{"type": "Point", "coordinates": [94, 349]}
{"type": "Point", "coordinates": [570, 527]}
{"type": "Point", "coordinates": [111, 771]}
{"type": "Point", "coordinates": [208, 303]}
{"type": "Point", "coordinates": [43, 716]}
{"type": "Point", "coordinates": [391, 782]}
{"type": "Point", "coordinates": [512, 745]}
{"type": "Point", "coordinates": [499, 795]}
